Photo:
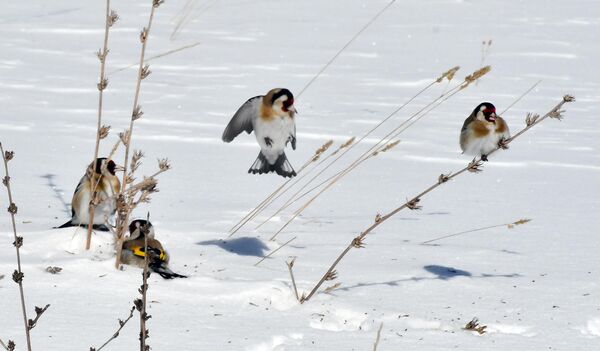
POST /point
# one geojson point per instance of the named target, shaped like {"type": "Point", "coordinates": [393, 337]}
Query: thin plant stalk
{"type": "Point", "coordinates": [12, 209]}
{"type": "Point", "coordinates": [378, 337]}
{"type": "Point", "coordinates": [298, 179]}
{"type": "Point", "coordinates": [254, 212]}
{"type": "Point", "coordinates": [277, 249]}
{"type": "Point", "coordinates": [110, 19]}
{"type": "Point", "coordinates": [448, 74]}
{"type": "Point", "coordinates": [143, 72]}
{"type": "Point", "coordinates": [508, 225]}
{"type": "Point", "coordinates": [339, 52]}
{"type": "Point", "coordinates": [473, 167]}
{"type": "Point", "coordinates": [393, 134]}
{"type": "Point", "coordinates": [359, 161]}
{"type": "Point", "coordinates": [144, 289]}
{"type": "Point", "coordinates": [122, 324]}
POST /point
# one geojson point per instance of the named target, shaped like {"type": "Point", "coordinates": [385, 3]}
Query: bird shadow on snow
{"type": "Point", "coordinates": [241, 246]}
{"type": "Point", "coordinates": [440, 272]}
{"type": "Point", "coordinates": [58, 193]}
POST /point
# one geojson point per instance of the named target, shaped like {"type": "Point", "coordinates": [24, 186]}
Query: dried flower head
{"type": "Point", "coordinates": [519, 222]}
{"type": "Point", "coordinates": [474, 166]}
{"type": "Point", "coordinates": [413, 204]}
{"type": "Point", "coordinates": [531, 118]}
{"type": "Point", "coordinates": [444, 178]}
{"type": "Point", "coordinates": [6, 180]}
{"type": "Point", "coordinates": [163, 164]}
{"type": "Point", "coordinates": [475, 76]}
{"type": "Point", "coordinates": [568, 98]}
{"type": "Point", "coordinates": [331, 275]}
{"type": "Point", "coordinates": [449, 74]}
{"type": "Point", "coordinates": [358, 242]}
{"type": "Point", "coordinates": [145, 72]}
{"type": "Point", "coordinates": [137, 113]}
{"type": "Point", "coordinates": [103, 132]}
{"type": "Point", "coordinates": [157, 3]}
{"type": "Point", "coordinates": [112, 18]}
{"type": "Point", "coordinates": [103, 84]}
{"type": "Point", "coordinates": [124, 137]}
{"type": "Point", "coordinates": [12, 208]}
{"type": "Point", "coordinates": [9, 155]}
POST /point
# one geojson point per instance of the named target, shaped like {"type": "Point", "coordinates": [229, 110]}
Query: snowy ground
{"type": "Point", "coordinates": [536, 287]}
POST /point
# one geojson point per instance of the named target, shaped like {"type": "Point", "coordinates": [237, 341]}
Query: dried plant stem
{"type": "Point", "coordinates": [394, 133]}
{"type": "Point", "coordinates": [520, 97]}
{"type": "Point", "coordinates": [290, 266]}
{"type": "Point", "coordinates": [157, 56]}
{"type": "Point", "coordinates": [143, 290]}
{"type": "Point", "coordinates": [298, 179]}
{"type": "Point", "coordinates": [256, 210]}
{"type": "Point", "coordinates": [378, 337]}
{"type": "Point", "coordinates": [122, 324]}
{"type": "Point", "coordinates": [446, 75]}
{"type": "Point", "coordinates": [12, 209]}
{"type": "Point", "coordinates": [143, 72]}
{"type": "Point", "coordinates": [508, 225]}
{"type": "Point", "coordinates": [110, 19]}
{"type": "Point", "coordinates": [373, 19]}
{"type": "Point", "coordinates": [272, 252]}
{"type": "Point", "coordinates": [3, 345]}
{"type": "Point", "coordinates": [473, 166]}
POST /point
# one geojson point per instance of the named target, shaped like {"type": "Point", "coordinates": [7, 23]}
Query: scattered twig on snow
{"type": "Point", "coordinates": [474, 325]}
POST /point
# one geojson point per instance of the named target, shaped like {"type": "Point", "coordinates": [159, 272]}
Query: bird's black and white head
{"type": "Point", "coordinates": [485, 112]}
{"type": "Point", "coordinates": [105, 167]}
{"type": "Point", "coordinates": [282, 101]}
{"type": "Point", "coordinates": [139, 228]}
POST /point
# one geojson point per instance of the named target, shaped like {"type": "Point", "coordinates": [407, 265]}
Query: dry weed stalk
{"type": "Point", "coordinates": [135, 195]}
{"type": "Point", "coordinates": [272, 252]}
{"type": "Point", "coordinates": [8, 347]}
{"type": "Point", "coordinates": [122, 324]}
{"type": "Point", "coordinates": [339, 52]}
{"type": "Point", "coordinates": [18, 274]}
{"type": "Point", "coordinates": [378, 337]}
{"type": "Point", "coordinates": [474, 325]}
{"type": "Point", "coordinates": [449, 75]}
{"type": "Point", "coordinates": [473, 167]}
{"type": "Point", "coordinates": [126, 204]}
{"type": "Point", "coordinates": [298, 179]}
{"type": "Point", "coordinates": [274, 195]}
{"type": "Point", "coordinates": [101, 130]}
{"type": "Point", "coordinates": [508, 225]}
{"type": "Point", "coordinates": [140, 304]}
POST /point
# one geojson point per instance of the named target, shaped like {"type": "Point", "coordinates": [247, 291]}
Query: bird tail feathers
{"type": "Point", "coordinates": [281, 166]}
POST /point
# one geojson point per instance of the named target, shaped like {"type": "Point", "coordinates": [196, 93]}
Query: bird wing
{"type": "Point", "coordinates": [243, 119]}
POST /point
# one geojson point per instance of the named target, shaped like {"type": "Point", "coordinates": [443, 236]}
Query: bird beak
{"type": "Point", "coordinates": [293, 110]}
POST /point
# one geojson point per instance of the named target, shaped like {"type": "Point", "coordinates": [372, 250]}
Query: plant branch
{"type": "Point", "coordinates": [122, 324]}
{"type": "Point", "coordinates": [111, 18]}
{"type": "Point", "coordinates": [473, 167]}
{"type": "Point", "coordinates": [12, 209]}
{"type": "Point", "coordinates": [272, 252]}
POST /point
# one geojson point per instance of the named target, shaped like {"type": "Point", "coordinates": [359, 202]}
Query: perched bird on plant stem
{"type": "Point", "coordinates": [106, 203]}
{"type": "Point", "coordinates": [133, 253]}
{"type": "Point", "coordinates": [483, 131]}
{"type": "Point", "coordinates": [271, 117]}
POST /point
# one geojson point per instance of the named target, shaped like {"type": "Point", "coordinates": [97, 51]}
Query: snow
{"type": "Point", "coordinates": [535, 286]}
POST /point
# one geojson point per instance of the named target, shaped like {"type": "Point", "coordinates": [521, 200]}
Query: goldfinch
{"type": "Point", "coordinates": [271, 117]}
{"type": "Point", "coordinates": [108, 186]}
{"type": "Point", "coordinates": [133, 252]}
{"type": "Point", "coordinates": [483, 131]}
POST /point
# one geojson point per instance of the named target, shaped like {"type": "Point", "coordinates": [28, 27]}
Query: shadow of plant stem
{"type": "Point", "coordinates": [474, 166]}
{"type": "Point", "coordinates": [18, 243]}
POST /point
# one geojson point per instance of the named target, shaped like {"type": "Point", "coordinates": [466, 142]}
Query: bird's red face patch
{"type": "Point", "coordinates": [490, 113]}
{"type": "Point", "coordinates": [287, 103]}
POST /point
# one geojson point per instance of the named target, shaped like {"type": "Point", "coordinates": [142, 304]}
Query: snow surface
{"type": "Point", "coordinates": [536, 287]}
